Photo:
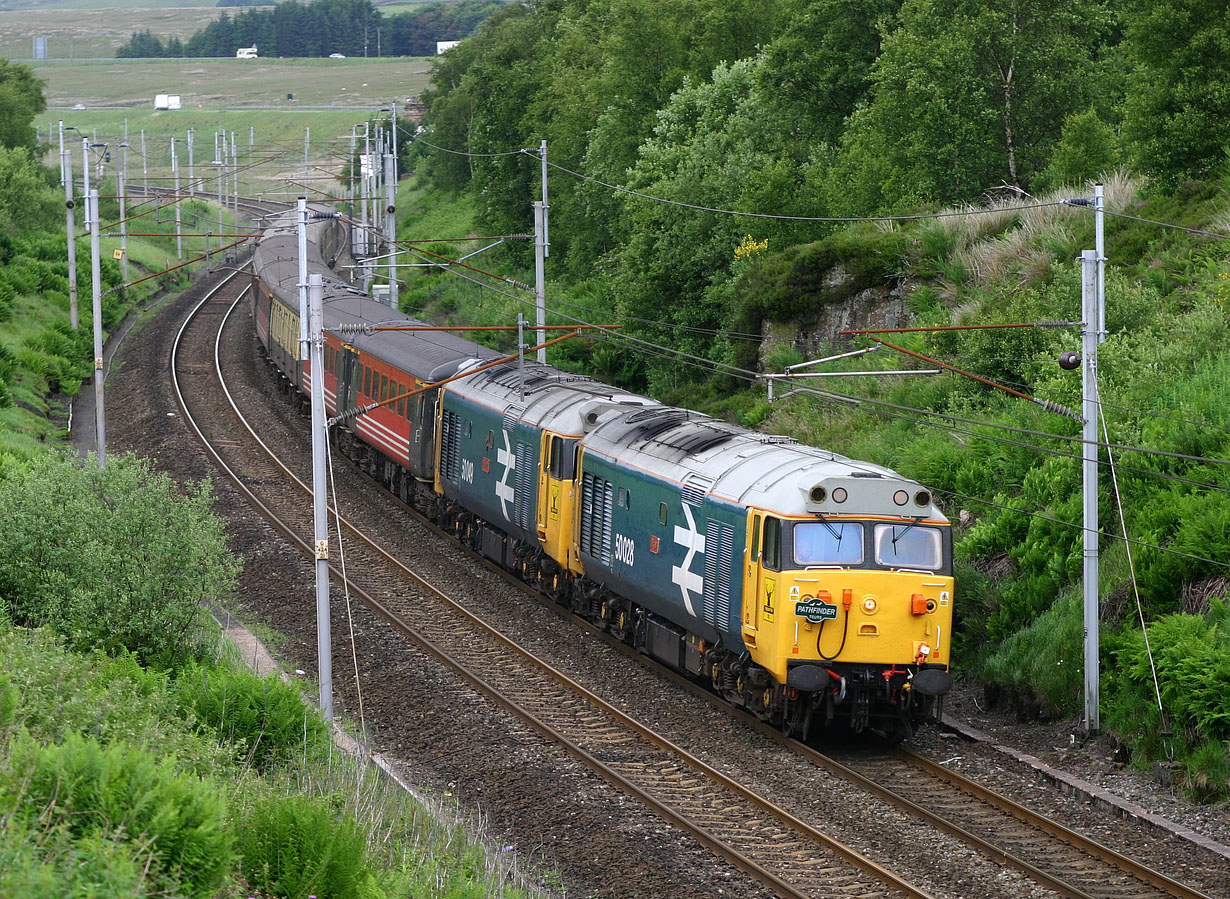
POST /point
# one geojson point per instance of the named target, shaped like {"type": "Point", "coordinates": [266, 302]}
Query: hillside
{"type": "Point", "coordinates": [740, 196]}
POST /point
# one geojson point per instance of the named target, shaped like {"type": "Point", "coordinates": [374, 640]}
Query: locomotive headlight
{"type": "Point", "coordinates": [924, 650]}
{"type": "Point", "coordinates": [901, 497]}
{"type": "Point", "coordinates": [839, 494]}
{"type": "Point", "coordinates": [922, 499]}
{"type": "Point", "coordinates": [870, 605]}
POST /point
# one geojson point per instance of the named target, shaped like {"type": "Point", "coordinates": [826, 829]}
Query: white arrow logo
{"type": "Point", "coordinates": [503, 489]}
{"type": "Point", "coordinates": [689, 581]}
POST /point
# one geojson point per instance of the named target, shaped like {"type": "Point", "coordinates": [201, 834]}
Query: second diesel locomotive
{"type": "Point", "coordinates": [809, 588]}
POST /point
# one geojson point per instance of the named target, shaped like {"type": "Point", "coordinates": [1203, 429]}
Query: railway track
{"type": "Point", "coordinates": [1053, 855]}
{"type": "Point", "coordinates": [1050, 853]}
{"type": "Point", "coordinates": [757, 836]}
{"type": "Point", "coordinates": [763, 839]}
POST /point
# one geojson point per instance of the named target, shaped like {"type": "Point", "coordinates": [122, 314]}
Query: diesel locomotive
{"type": "Point", "coordinates": [811, 589]}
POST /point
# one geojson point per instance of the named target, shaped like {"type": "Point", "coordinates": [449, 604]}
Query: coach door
{"type": "Point", "coordinates": [421, 412]}
{"type": "Point", "coordinates": [348, 374]}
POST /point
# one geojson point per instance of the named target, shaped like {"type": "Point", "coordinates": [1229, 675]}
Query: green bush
{"type": "Point", "coordinates": [61, 693]}
{"type": "Point", "coordinates": [7, 297]}
{"type": "Point", "coordinates": [1042, 665]}
{"type": "Point", "coordinates": [21, 277]}
{"type": "Point", "coordinates": [122, 791]}
{"type": "Point", "coordinates": [263, 719]}
{"type": "Point", "coordinates": [115, 559]}
{"type": "Point", "coordinates": [1192, 658]}
{"type": "Point", "coordinates": [290, 847]}
{"type": "Point", "coordinates": [51, 865]}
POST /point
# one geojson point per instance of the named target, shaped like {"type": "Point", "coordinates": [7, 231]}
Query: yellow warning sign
{"type": "Point", "coordinates": [554, 507]}
{"type": "Point", "coordinates": [766, 610]}
{"type": "Point", "coordinates": [117, 254]}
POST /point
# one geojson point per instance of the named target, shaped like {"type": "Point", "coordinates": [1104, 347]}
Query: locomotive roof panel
{"type": "Point", "coordinates": [544, 396]}
{"type": "Point", "coordinates": [753, 469]}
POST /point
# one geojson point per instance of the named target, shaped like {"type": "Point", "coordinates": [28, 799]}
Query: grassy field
{"type": "Point", "coordinates": [247, 97]}
{"type": "Point", "coordinates": [43, 5]}
{"type": "Point", "coordinates": [96, 30]}
{"type": "Point", "coordinates": [225, 83]}
{"type": "Point", "coordinates": [271, 145]}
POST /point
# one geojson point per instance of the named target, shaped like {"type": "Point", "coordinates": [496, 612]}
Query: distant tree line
{"type": "Point", "coordinates": [815, 108]}
{"type": "Point", "coordinates": [349, 27]}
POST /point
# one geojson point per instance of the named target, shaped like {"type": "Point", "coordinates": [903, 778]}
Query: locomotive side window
{"type": "Point", "coordinates": [622, 498]}
{"type": "Point", "coordinates": [661, 513]}
{"type": "Point", "coordinates": [772, 549]}
{"type": "Point", "coordinates": [755, 545]}
{"type": "Point", "coordinates": [562, 461]}
{"type": "Point", "coordinates": [828, 543]}
{"type": "Point", "coordinates": [490, 440]}
{"type": "Point", "coordinates": [909, 546]}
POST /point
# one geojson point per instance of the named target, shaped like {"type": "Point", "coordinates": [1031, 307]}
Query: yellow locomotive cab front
{"type": "Point", "coordinates": [855, 616]}
{"type": "Point", "coordinates": [832, 604]}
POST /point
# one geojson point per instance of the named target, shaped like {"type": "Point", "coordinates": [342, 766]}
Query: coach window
{"type": "Point", "coordinates": [773, 544]}
{"type": "Point", "coordinates": [384, 388]}
{"type": "Point", "coordinates": [401, 403]}
{"type": "Point", "coordinates": [367, 381]}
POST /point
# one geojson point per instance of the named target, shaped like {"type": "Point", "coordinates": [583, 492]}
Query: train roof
{"type": "Point", "coordinates": [702, 454]}
{"type": "Point", "coordinates": [544, 396]}
{"type": "Point", "coordinates": [427, 355]}
{"type": "Point", "coordinates": [707, 456]}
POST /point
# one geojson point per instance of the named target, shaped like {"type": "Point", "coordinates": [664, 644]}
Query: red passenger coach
{"type": "Point", "coordinates": [362, 366]}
